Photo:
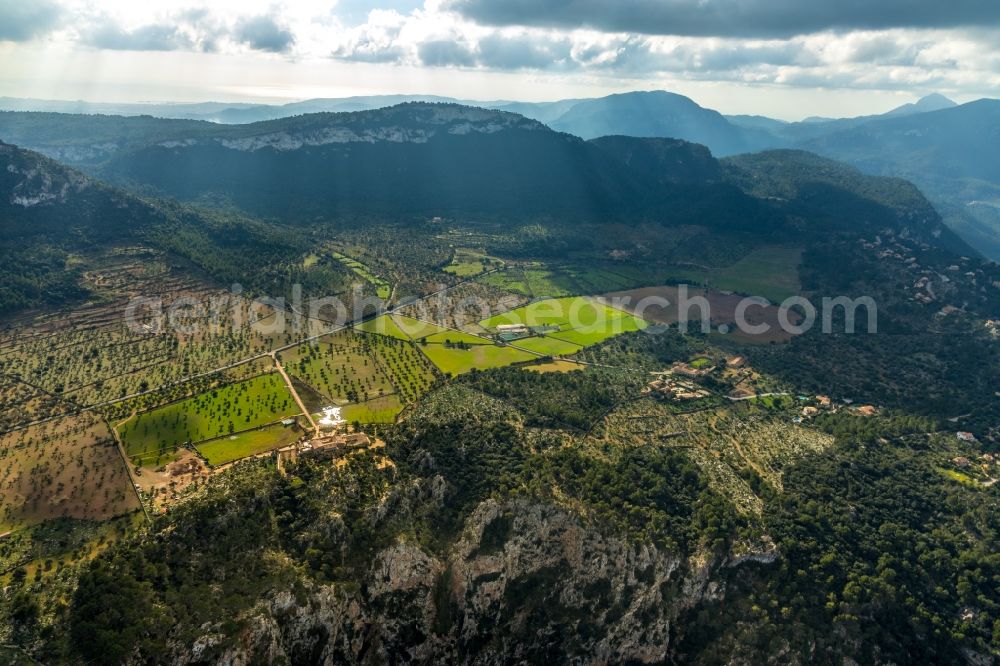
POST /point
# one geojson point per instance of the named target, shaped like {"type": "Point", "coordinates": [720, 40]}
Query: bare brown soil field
{"type": "Point", "coordinates": [70, 467]}
{"type": "Point", "coordinates": [660, 305]}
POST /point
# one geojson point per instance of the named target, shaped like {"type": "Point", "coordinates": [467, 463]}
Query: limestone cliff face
{"type": "Point", "coordinates": [524, 581]}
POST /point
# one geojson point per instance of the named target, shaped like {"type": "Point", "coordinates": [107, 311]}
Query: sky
{"type": "Point", "coordinates": [782, 58]}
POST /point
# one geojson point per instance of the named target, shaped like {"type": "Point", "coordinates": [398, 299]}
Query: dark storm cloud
{"type": "Point", "coordinates": [146, 38]}
{"type": "Point", "coordinates": [730, 18]}
{"type": "Point", "coordinates": [443, 53]}
{"type": "Point", "coordinates": [20, 20]}
{"type": "Point", "coordinates": [264, 34]}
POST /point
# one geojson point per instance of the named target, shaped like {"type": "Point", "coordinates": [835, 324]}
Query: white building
{"type": "Point", "coordinates": [331, 418]}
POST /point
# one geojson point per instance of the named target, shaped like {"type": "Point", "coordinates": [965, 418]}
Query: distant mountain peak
{"type": "Point", "coordinates": [935, 99]}
{"type": "Point", "coordinates": [926, 104]}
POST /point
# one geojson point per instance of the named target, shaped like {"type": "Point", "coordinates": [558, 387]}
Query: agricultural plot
{"type": "Point", "coordinates": [371, 376]}
{"type": "Point", "coordinates": [383, 325]}
{"type": "Point", "coordinates": [382, 287]}
{"type": "Point", "coordinates": [408, 370]}
{"type": "Point", "coordinates": [577, 320]}
{"type": "Point", "coordinates": [771, 272]}
{"type": "Point", "coordinates": [106, 356]}
{"type": "Point", "coordinates": [539, 280]}
{"type": "Point", "coordinates": [468, 263]}
{"type": "Point", "coordinates": [453, 360]}
{"type": "Point", "coordinates": [547, 346]}
{"type": "Point", "coordinates": [662, 305]}
{"type": "Point", "coordinates": [454, 339]}
{"type": "Point", "coordinates": [379, 410]}
{"type": "Point", "coordinates": [20, 403]}
{"type": "Point", "coordinates": [66, 468]}
{"type": "Point", "coordinates": [176, 392]}
{"type": "Point", "coordinates": [416, 329]}
{"type": "Point", "coordinates": [245, 444]}
{"type": "Point", "coordinates": [340, 367]}
{"type": "Point", "coordinates": [464, 306]}
{"type": "Point", "coordinates": [151, 438]}
{"type": "Point", "coordinates": [555, 366]}
{"type": "Point", "coordinates": [534, 281]}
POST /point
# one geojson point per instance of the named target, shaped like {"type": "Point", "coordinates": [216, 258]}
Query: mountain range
{"type": "Point", "coordinates": [415, 161]}
{"type": "Point", "coordinates": [947, 149]}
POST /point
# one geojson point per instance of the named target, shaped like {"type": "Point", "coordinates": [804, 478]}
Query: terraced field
{"type": "Point", "coordinates": [727, 443]}
{"type": "Point", "coordinates": [382, 287]}
{"type": "Point", "coordinates": [110, 356]}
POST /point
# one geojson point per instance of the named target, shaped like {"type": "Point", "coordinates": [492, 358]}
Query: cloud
{"type": "Point", "coordinates": [21, 20]}
{"type": "Point", "coordinates": [376, 41]}
{"type": "Point", "coordinates": [154, 37]}
{"type": "Point", "coordinates": [445, 53]}
{"type": "Point", "coordinates": [263, 33]}
{"type": "Point", "coordinates": [524, 52]}
{"type": "Point", "coordinates": [730, 18]}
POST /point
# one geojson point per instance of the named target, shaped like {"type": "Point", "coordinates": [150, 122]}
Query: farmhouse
{"type": "Point", "coordinates": [674, 389]}
{"type": "Point", "coordinates": [966, 436]}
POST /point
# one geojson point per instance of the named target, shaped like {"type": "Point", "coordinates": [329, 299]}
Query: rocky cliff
{"type": "Point", "coordinates": [524, 581]}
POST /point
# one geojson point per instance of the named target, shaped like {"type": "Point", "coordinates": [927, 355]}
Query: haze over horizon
{"type": "Point", "coordinates": [786, 60]}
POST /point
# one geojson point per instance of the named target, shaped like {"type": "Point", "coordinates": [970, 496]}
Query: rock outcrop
{"type": "Point", "coordinates": [524, 581]}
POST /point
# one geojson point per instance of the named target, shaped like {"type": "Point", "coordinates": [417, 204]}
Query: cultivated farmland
{"type": "Point", "coordinates": [152, 437]}
{"type": "Point", "coordinates": [66, 468]}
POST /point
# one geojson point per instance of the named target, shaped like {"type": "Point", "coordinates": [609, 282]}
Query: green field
{"type": "Point", "coordinates": [567, 313]}
{"type": "Point", "coordinates": [454, 361]}
{"type": "Point", "coordinates": [773, 401]}
{"type": "Point", "coordinates": [456, 338]}
{"type": "Point", "coordinates": [348, 368]}
{"type": "Point", "coordinates": [152, 437]}
{"type": "Point", "coordinates": [467, 263]}
{"type": "Point", "coordinates": [379, 410]}
{"type": "Point", "coordinates": [581, 320]}
{"type": "Point", "coordinates": [245, 444]}
{"type": "Point", "coordinates": [771, 272]}
{"type": "Point", "coordinates": [548, 346]}
{"type": "Point", "coordinates": [383, 325]}
{"type": "Point", "coordinates": [586, 336]}
{"type": "Point", "coordinates": [382, 288]}
{"type": "Point", "coordinates": [415, 328]}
